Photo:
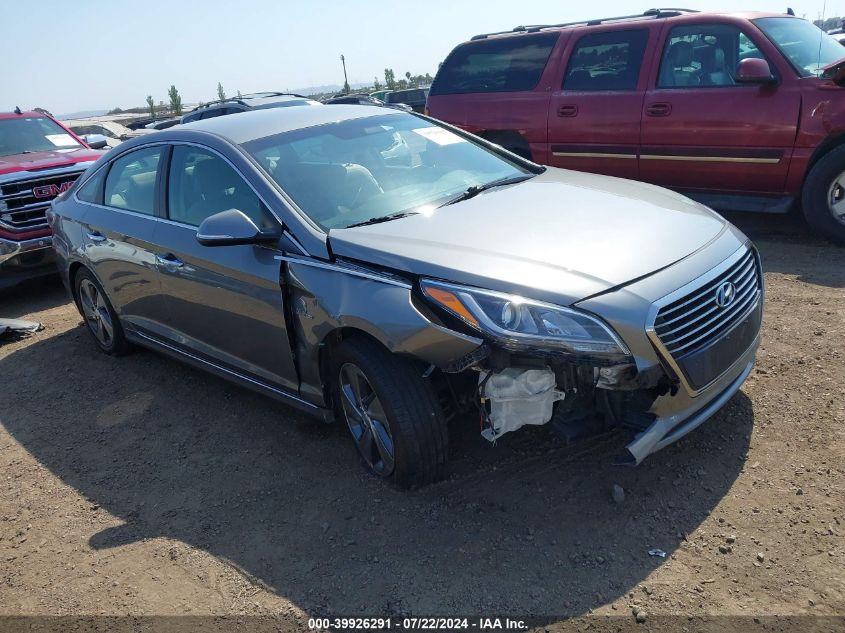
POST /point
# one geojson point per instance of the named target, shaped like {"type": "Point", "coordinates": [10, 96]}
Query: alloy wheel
{"type": "Point", "coordinates": [836, 198]}
{"type": "Point", "coordinates": [366, 420]}
{"type": "Point", "coordinates": [96, 313]}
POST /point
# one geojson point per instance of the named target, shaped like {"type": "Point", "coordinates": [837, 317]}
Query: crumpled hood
{"type": "Point", "coordinates": [45, 160]}
{"type": "Point", "coordinates": [561, 236]}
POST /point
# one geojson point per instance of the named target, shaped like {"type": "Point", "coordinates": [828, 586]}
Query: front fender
{"type": "Point", "coordinates": [325, 297]}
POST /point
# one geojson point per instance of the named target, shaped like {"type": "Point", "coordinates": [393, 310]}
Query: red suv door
{"type": "Point", "coordinates": [703, 131]}
{"type": "Point", "coordinates": [595, 108]}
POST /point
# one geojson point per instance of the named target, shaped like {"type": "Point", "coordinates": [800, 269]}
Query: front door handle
{"type": "Point", "coordinates": [659, 109]}
{"type": "Point", "coordinates": [567, 110]}
{"type": "Point", "coordinates": [169, 260]}
{"type": "Point", "coordinates": [96, 236]}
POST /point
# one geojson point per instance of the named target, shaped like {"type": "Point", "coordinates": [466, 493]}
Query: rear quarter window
{"type": "Point", "coordinates": [508, 64]}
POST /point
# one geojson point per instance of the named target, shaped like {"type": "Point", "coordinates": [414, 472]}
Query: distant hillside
{"type": "Point", "coordinates": [327, 89]}
{"type": "Point", "coordinates": [82, 115]}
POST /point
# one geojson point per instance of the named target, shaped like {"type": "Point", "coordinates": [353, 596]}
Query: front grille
{"type": "Point", "coordinates": [21, 209]}
{"type": "Point", "coordinates": [695, 321]}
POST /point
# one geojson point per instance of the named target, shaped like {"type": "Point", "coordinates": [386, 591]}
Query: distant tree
{"type": "Point", "coordinates": [408, 76]}
{"type": "Point", "coordinates": [152, 106]}
{"type": "Point", "coordinates": [239, 94]}
{"type": "Point", "coordinates": [390, 79]}
{"type": "Point", "coordinates": [175, 100]}
{"type": "Point", "coordinates": [221, 94]}
{"type": "Point", "coordinates": [829, 23]}
{"type": "Point", "coordinates": [376, 84]}
{"type": "Point", "coordinates": [402, 84]}
{"type": "Point", "coordinates": [428, 79]}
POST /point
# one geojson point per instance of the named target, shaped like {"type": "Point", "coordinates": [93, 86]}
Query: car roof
{"type": "Point", "coordinates": [27, 114]}
{"type": "Point", "coordinates": [674, 15]}
{"type": "Point", "coordinates": [255, 124]}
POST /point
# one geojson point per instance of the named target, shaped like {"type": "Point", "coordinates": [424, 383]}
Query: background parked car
{"type": "Point", "coordinates": [162, 125]}
{"type": "Point", "coordinates": [740, 111]}
{"type": "Point", "coordinates": [244, 103]}
{"type": "Point", "coordinates": [39, 160]}
{"type": "Point", "coordinates": [364, 99]}
{"type": "Point", "coordinates": [114, 132]}
{"type": "Point", "coordinates": [379, 94]}
{"type": "Point", "coordinates": [414, 97]}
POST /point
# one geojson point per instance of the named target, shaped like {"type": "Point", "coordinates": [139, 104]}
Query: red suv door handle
{"type": "Point", "coordinates": [659, 109]}
{"type": "Point", "coordinates": [567, 110]}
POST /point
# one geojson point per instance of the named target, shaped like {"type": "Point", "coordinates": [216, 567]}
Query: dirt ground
{"type": "Point", "coordinates": [139, 485]}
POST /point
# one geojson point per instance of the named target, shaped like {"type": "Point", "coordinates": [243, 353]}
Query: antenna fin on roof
{"type": "Point", "coordinates": [789, 11]}
{"type": "Point", "coordinates": [17, 110]}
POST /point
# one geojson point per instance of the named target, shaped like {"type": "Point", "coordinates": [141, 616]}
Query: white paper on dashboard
{"type": "Point", "coordinates": [61, 140]}
{"type": "Point", "coordinates": [439, 135]}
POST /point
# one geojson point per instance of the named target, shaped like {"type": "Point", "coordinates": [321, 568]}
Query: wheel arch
{"type": "Point", "coordinates": [327, 347]}
{"type": "Point", "coordinates": [828, 145]}
{"type": "Point", "coordinates": [73, 271]}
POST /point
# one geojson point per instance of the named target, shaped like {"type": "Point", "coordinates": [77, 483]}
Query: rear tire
{"type": "Point", "coordinates": [100, 318]}
{"type": "Point", "coordinates": [393, 415]}
{"type": "Point", "coordinates": [823, 198]}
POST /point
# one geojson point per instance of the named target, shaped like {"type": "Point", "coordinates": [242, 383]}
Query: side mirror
{"type": "Point", "coordinates": [754, 71]}
{"type": "Point", "coordinates": [96, 141]}
{"type": "Point", "coordinates": [232, 227]}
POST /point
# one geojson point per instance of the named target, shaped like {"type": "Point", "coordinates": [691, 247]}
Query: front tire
{"type": "Point", "coordinates": [100, 317]}
{"type": "Point", "coordinates": [392, 413]}
{"type": "Point", "coordinates": [823, 198]}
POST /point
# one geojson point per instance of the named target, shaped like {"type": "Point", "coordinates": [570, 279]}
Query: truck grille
{"type": "Point", "coordinates": [23, 203]}
{"type": "Point", "coordinates": [690, 325]}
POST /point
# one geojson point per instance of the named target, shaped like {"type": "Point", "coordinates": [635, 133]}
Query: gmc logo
{"type": "Point", "coordinates": [51, 191]}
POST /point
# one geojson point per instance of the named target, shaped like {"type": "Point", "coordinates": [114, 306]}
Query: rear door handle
{"type": "Point", "coordinates": [96, 236]}
{"type": "Point", "coordinates": [567, 110]}
{"type": "Point", "coordinates": [659, 109]}
{"type": "Point", "coordinates": [169, 260]}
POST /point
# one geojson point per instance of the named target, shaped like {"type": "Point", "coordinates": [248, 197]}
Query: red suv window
{"type": "Point", "coordinates": [506, 64]}
{"type": "Point", "coordinates": [704, 55]}
{"type": "Point", "coordinates": [606, 61]}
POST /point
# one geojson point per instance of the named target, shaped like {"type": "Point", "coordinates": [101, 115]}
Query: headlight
{"type": "Point", "coordinates": [518, 323]}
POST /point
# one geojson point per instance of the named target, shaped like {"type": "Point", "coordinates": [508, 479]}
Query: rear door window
{"type": "Point", "coordinates": [606, 61]}
{"type": "Point", "coordinates": [131, 181]}
{"type": "Point", "coordinates": [507, 64]}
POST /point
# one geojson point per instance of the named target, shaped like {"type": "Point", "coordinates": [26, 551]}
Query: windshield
{"type": "Point", "coordinates": [806, 46]}
{"type": "Point", "coordinates": [23, 135]}
{"type": "Point", "coordinates": [355, 171]}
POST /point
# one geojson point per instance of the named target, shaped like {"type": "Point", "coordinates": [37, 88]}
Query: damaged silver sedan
{"type": "Point", "coordinates": [397, 274]}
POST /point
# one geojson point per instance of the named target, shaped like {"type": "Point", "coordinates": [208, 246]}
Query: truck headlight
{"type": "Point", "coordinates": [518, 323]}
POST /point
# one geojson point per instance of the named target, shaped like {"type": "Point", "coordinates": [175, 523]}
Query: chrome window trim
{"type": "Point", "coordinates": [295, 242]}
{"type": "Point", "coordinates": [665, 356]}
{"type": "Point", "coordinates": [349, 270]}
{"type": "Point", "coordinates": [231, 372]}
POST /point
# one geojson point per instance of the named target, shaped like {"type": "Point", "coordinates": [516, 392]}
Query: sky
{"type": "Point", "coordinates": [110, 53]}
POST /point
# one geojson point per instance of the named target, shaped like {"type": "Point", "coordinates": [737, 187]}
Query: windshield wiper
{"type": "Point", "coordinates": [474, 190]}
{"type": "Point", "coordinates": [383, 218]}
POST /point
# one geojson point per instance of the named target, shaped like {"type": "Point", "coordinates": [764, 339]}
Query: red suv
{"type": "Point", "coordinates": [742, 111]}
{"type": "Point", "coordinates": [39, 160]}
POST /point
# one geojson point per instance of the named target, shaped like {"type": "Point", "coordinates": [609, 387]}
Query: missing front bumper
{"type": "Point", "coordinates": [690, 413]}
